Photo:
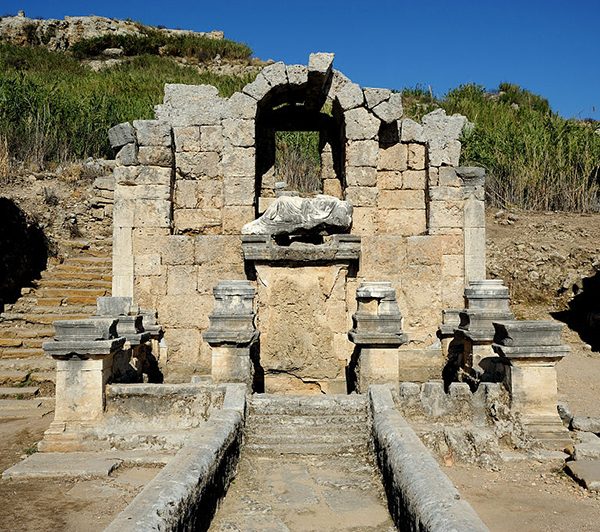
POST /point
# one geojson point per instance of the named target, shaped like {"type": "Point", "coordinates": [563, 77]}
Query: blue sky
{"type": "Point", "coordinates": [550, 47]}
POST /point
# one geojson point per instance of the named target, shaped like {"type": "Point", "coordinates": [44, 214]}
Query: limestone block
{"type": "Point", "coordinates": [474, 213]}
{"type": "Point", "coordinates": [393, 158]}
{"type": "Point", "coordinates": [389, 180]}
{"type": "Point", "coordinates": [333, 187]}
{"type": "Point", "coordinates": [361, 176]}
{"type": "Point", "coordinates": [152, 213]}
{"type": "Point", "coordinates": [440, 193]}
{"type": "Point", "coordinates": [275, 74]}
{"type": "Point", "coordinates": [360, 124]}
{"type": "Point", "coordinates": [235, 217]}
{"type": "Point", "coordinates": [416, 156]}
{"type": "Point", "coordinates": [178, 250]}
{"type": "Point", "coordinates": [362, 153]}
{"type": "Point", "coordinates": [475, 261]}
{"type": "Point", "coordinates": [374, 96]}
{"type": "Point", "coordinates": [364, 220]}
{"type": "Point", "coordinates": [238, 162]}
{"type": "Point", "coordinates": [152, 132]}
{"type": "Point", "coordinates": [259, 88]}
{"type": "Point", "coordinates": [428, 250]}
{"type": "Point", "coordinates": [198, 164]}
{"type": "Point", "coordinates": [149, 288]}
{"type": "Point", "coordinates": [401, 199]}
{"type": "Point", "coordinates": [149, 240]}
{"type": "Point", "coordinates": [420, 365]}
{"type": "Point", "coordinates": [155, 156]}
{"type": "Point", "coordinates": [434, 176]}
{"type": "Point", "coordinates": [186, 194]}
{"type": "Point", "coordinates": [187, 138]}
{"type": "Point", "coordinates": [123, 212]}
{"type": "Point", "coordinates": [414, 179]}
{"type": "Point", "coordinates": [362, 196]}
{"type": "Point", "coordinates": [143, 192]}
{"type": "Point", "coordinates": [239, 132]}
{"type": "Point", "coordinates": [231, 364]}
{"type": "Point", "coordinates": [411, 131]}
{"type": "Point", "coordinates": [238, 191]}
{"type": "Point", "coordinates": [378, 366]}
{"type": "Point", "coordinates": [320, 62]}
{"type": "Point", "coordinates": [218, 250]}
{"type": "Point", "coordinates": [121, 134]}
{"type": "Point", "coordinates": [297, 75]}
{"type": "Point", "coordinates": [390, 110]}
{"type": "Point", "coordinates": [211, 138]}
{"type": "Point", "coordinates": [241, 106]}
{"type": "Point", "coordinates": [147, 264]}
{"type": "Point", "coordinates": [142, 175]}
{"type": "Point", "coordinates": [448, 177]}
{"type": "Point", "coordinates": [191, 105]}
{"type": "Point", "coordinates": [185, 310]}
{"type": "Point", "coordinates": [445, 214]}
{"type": "Point", "coordinates": [200, 193]}
{"type": "Point", "coordinates": [184, 345]}
{"type": "Point", "coordinates": [452, 291]}
{"type": "Point", "coordinates": [453, 265]}
{"type": "Point", "coordinates": [447, 152]}
{"type": "Point", "coordinates": [182, 280]}
{"type": "Point", "coordinates": [128, 155]}
{"type": "Point", "coordinates": [382, 256]}
{"type": "Point", "coordinates": [402, 222]}
{"type": "Point", "coordinates": [197, 220]}
{"type": "Point", "coordinates": [349, 96]}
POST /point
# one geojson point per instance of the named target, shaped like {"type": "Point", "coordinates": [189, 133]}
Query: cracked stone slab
{"type": "Point", "coordinates": [587, 472]}
{"type": "Point", "coordinates": [63, 465]}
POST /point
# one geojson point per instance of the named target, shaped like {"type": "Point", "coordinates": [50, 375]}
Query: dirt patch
{"type": "Point", "coordinates": [530, 496]}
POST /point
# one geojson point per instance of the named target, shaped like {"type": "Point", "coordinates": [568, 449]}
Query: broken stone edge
{"type": "Point", "coordinates": [420, 495]}
{"type": "Point", "coordinates": [185, 493]}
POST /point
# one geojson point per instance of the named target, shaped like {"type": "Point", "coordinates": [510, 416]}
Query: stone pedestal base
{"type": "Point", "coordinates": [62, 437]}
{"type": "Point", "coordinates": [232, 364]}
{"type": "Point", "coordinates": [377, 365]}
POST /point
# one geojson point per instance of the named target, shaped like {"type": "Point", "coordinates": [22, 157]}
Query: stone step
{"type": "Point", "coordinates": [36, 364]}
{"type": "Point", "coordinates": [22, 392]}
{"type": "Point", "coordinates": [307, 405]}
{"type": "Point", "coordinates": [46, 319]}
{"type": "Point", "coordinates": [285, 421]}
{"type": "Point", "coordinates": [13, 376]}
{"type": "Point", "coordinates": [69, 293]}
{"type": "Point", "coordinates": [81, 275]}
{"type": "Point", "coordinates": [10, 342]}
{"type": "Point", "coordinates": [358, 437]}
{"type": "Point", "coordinates": [21, 352]}
{"type": "Point", "coordinates": [149, 440]}
{"type": "Point", "coordinates": [25, 408]}
{"type": "Point", "coordinates": [85, 260]}
{"type": "Point", "coordinates": [67, 300]}
{"type": "Point", "coordinates": [11, 331]}
{"type": "Point", "coordinates": [306, 449]}
{"type": "Point", "coordinates": [74, 283]}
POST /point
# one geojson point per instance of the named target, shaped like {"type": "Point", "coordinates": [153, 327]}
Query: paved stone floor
{"type": "Point", "coordinates": [302, 493]}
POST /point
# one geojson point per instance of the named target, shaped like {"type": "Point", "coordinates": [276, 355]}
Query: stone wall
{"type": "Point", "coordinates": [188, 181]}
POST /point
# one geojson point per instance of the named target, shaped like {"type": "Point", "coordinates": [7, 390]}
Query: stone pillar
{"type": "Point", "coordinates": [84, 351]}
{"type": "Point", "coordinates": [232, 332]}
{"type": "Point", "coordinates": [486, 301]}
{"type": "Point", "coordinates": [377, 333]}
{"type": "Point", "coordinates": [532, 349]}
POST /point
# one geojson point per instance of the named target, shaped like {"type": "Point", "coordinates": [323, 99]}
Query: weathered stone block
{"type": "Point", "coordinates": [201, 193]}
{"type": "Point", "coordinates": [198, 164]}
{"type": "Point", "coordinates": [184, 345]}
{"type": "Point", "coordinates": [235, 217]}
{"type": "Point", "coordinates": [178, 250]}
{"type": "Point", "coordinates": [375, 96]}
{"type": "Point", "coordinates": [445, 214]}
{"type": "Point", "coordinates": [402, 222]}
{"type": "Point", "coordinates": [152, 132]}
{"type": "Point", "coordinates": [453, 265]}
{"type": "Point", "coordinates": [390, 110]}
{"type": "Point", "coordinates": [393, 158]}
{"type": "Point", "coordinates": [149, 240]}
{"type": "Point", "coordinates": [414, 179]}
{"type": "Point", "coordinates": [182, 280]}
{"type": "Point", "coordinates": [238, 191]}
{"type": "Point", "coordinates": [121, 134]}
{"type": "Point", "coordinates": [362, 153]}
{"type": "Point", "coordinates": [155, 156]}
{"type": "Point", "coordinates": [411, 131]}
{"type": "Point", "coordinates": [275, 74]}
{"type": "Point", "coordinates": [362, 196]}
{"type": "Point", "coordinates": [428, 250]}
{"type": "Point", "coordinates": [191, 105]}
{"type": "Point", "coordinates": [185, 310]}
{"type": "Point", "coordinates": [416, 156]}
{"type": "Point", "coordinates": [361, 176]}
{"type": "Point", "coordinates": [142, 175]}
{"type": "Point", "coordinates": [152, 213]}
{"type": "Point", "coordinates": [211, 138]}
{"type": "Point", "coordinates": [361, 125]}
{"type": "Point", "coordinates": [364, 220]}
{"type": "Point", "coordinates": [349, 96]}
{"type": "Point", "coordinates": [187, 138]}
{"type": "Point", "coordinates": [128, 155]}
{"type": "Point", "coordinates": [297, 75]}
{"type": "Point", "coordinates": [239, 132]}
{"type": "Point", "coordinates": [238, 162]}
{"type": "Point", "coordinates": [145, 192]}
{"type": "Point", "coordinates": [147, 264]}
{"type": "Point", "coordinates": [389, 180]}
{"type": "Point", "coordinates": [333, 187]}
{"type": "Point", "coordinates": [401, 199]}
{"type": "Point", "coordinates": [382, 256]}
{"type": "Point", "coordinates": [197, 220]}
{"type": "Point", "coordinates": [448, 177]}
{"type": "Point", "coordinates": [259, 88]}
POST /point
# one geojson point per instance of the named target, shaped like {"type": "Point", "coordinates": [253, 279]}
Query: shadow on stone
{"type": "Point", "coordinates": [583, 315]}
{"type": "Point", "coordinates": [24, 251]}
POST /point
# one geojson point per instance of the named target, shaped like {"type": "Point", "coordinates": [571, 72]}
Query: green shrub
{"type": "Point", "coordinates": [298, 160]}
{"type": "Point", "coordinates": [54, 109]}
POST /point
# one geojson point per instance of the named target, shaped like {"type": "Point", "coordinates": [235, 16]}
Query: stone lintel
{"type": "Point", "coordinates": [528, 333]}
{"type": "Point", "coordinates": [339, 248]}
{"type": "Point", "coordinates": [532, 353]}
{"type": "Point", "coordinates": [377, 339]}
{"type": "Point", "coordinates": [83, 348]}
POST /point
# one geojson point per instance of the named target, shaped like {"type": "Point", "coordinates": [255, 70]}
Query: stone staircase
{"type": "Point", "coordinates": [307, 425]}
{"type": "Point", "coordinates": [65, 291]}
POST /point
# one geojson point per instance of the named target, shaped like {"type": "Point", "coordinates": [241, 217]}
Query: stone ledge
{"type": "Point", "coordinates": [423, 497]}
{"type": "Point", "coordinates": [340, 248]}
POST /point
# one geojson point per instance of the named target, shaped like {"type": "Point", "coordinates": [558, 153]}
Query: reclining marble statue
{"type": "Point", "coordinates": [292, 214]}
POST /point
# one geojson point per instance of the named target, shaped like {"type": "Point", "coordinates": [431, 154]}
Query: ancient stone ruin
{"type": "Point", "coordinates": [251, 320]}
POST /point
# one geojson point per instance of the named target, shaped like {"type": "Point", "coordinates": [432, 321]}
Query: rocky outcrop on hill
{"type": "Point", "coordinates": [56, 34]}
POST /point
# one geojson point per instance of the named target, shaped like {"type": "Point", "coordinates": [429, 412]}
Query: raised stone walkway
{"type": "Point", "coordinates": [305, 465]}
